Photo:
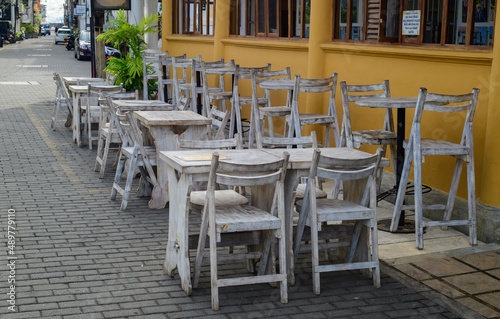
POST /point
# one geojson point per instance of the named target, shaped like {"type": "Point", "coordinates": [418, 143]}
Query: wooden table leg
{"type": "Point", "coordinates": [177, 251]}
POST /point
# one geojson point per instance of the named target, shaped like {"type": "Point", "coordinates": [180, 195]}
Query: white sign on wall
{"type": "Point", "coordinates": [80, 10]}
{"type": "Point", "coordinates": [411, 22]}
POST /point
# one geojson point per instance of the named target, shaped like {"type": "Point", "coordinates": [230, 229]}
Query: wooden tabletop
{"type": "Point", "coordinates": [84, 88]}
{"type": "Point", "coordinates": [142, 105]}
{"type": "Point", "coordinates": [277, 84]}
{"type": "Point", "coordinates": [389, 102]}
{"type": "Point", "coordinates": [198, 161]}
{"type": "Point", "coordinates": [166, 118]}
{"type": "Point", "coordinates": [70, 80]}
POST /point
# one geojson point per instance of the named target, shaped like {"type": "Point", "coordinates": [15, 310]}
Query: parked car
{"type": "Point", "coordinates": [83, 45]}
{"type": "Point", "coordinates": [62, 34]}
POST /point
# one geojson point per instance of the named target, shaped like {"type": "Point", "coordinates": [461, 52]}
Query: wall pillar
{"type": "Point", "coordinates": [136, 12]}
{"type": "Point", "coordinates": [320, 27]}
{"type": "Point", "coordinates": [221, 30]}
{"type": "Point", "coordinates": [166, 23]}
{"type": "Point", "coordinates": [490, 187]}
{"type": "Point", "coordinates": [151, 39]}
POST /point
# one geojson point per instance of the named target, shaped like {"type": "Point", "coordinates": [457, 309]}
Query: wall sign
{"type": "Point", "coordinates": [411, 22]}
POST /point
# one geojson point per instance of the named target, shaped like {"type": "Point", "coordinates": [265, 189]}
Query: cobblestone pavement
{"type": "Point", "coordinates": [79, 256]}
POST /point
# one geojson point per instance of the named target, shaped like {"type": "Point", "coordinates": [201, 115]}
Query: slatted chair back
{"type": "Point", "coordinates": [219, 123]}
{"type": "Point", "coordinates": [217, 92]}
{"type": "Point", "coordinates": [323, 85]}
{"type": "Point", "coordinates": [244, 73]}
{"type": "Point", "coordinates": [184, 83]}
{"type": "Point", "coordinates": [62, 97]}
{"type": "Point", "coordinates": [120, 119]}
{"type": "Point", "coordinates": [137, 138]}
{"type": "Point", "coordinates": [353, 93]}
{"type": "Point", "coordinates": [150, 68]}
{"type": "Point", "coordinates": [166, 79]}
{"type": "Point", "coordinates": [230, 143]}
{"type": "Point", "coordinates": [289, 142]}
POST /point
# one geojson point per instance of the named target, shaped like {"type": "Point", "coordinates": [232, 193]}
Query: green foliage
{"type": "Point", "coordinates": [28, 28]}
{"type": "Point", "coordinates": [129, 39]}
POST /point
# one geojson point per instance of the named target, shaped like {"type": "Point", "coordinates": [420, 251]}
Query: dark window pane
{"type": "Point", "coordinates": [433, 16]}
{"type": "Point", "coordinates": [484, 15]}
{"type": "Point", "coordinates": [273, 19]}
{"type": "Point", "coordinates": [261, 16]}
{"type": "Point", "coordinates": [452, 36]}
{"type": "Point", "coordinates": [392, 19]}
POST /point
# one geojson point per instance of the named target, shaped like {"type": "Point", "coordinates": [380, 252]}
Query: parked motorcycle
{"type": "Point", "coordinates": [70, 42]}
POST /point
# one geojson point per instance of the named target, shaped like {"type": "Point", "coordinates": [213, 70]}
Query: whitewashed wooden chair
{"type": "Point", "coordinates": [111, 79]}
{"type": "Point", "coordinates": [297, 120]}
{"type": "Point", "coordinates": [315, 213]}
{"type": "Point", "coordinates": [268, 110]}
{"type": "Point", "coordinates": [92, 108]}
{"type": "Point", "coordinates": [418, 147]}
{"type": "Point", "coordinates": [151, 69]}
{"type": "Point", "coordinates": [384, 137]}
{"type": "Point", "coordinates": [184, 75]}
{"type": "Point", "coordinates": [140, 157]}
{"type": "Point", "coordinates": [241, 75]}
{"type": "Point", "coordinates": [108, 128]}
{"type": "Point", "coordinates": [166, 80]}
{"type": "Point", "coordinates": [223, 220]}
{"type": "Point", "coordinates": [62, 99]}
{"type": "Point", "coordinates": [218, 91]}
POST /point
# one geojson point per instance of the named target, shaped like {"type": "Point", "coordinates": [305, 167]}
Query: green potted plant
{"type": "Point", "coordinates": [129, 40]}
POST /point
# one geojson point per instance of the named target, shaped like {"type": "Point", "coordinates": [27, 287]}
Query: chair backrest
{"type": "Point", "coordinates": [111, 79]}
{"type": "Point", "coordinates": [165, 78]}
{"type": "Point", "coordinates": [219, 68]}
{"type": "Point", "coordinates": [353, 93]}
{"type": "Point", "coordinates": [236, 174]}
{"type": "Point", "coordinates": [138, 141]}
{"type": "Point", "coordinates": [219, 122]}
{"type": "Point", "coordinates": [93, 91]}
{"type": "Point", "coordinates": [324, 167]}
{"type": "Point", "coordinates": [463, 103]}
{"type": "Point", "coordinates": [180, 67]}
{"type": "Point", "coordinates": [289, 142]}
{"type": "Point", "coordinates": [245, 73]}
{"type": "Point", "coordinates": [61, 92]}
{"type": "Point", "coordinates": [119, 119]}
{"type": "Point", "coordinates": [87, 82]}
{"type": "Point", "coordinates": [150, 68]}
{"type": "Point", "coordinates": [207, 144]}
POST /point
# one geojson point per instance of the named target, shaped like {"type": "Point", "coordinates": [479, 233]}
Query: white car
{"type": "Point", "coordinates": [62, 34]}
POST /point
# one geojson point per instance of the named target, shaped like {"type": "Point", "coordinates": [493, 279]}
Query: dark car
{"type": "Point", "coordinates": [82, 45]}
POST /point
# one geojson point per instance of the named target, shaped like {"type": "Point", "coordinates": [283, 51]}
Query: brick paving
{"type": "Point", "coordinates": [79, 256]}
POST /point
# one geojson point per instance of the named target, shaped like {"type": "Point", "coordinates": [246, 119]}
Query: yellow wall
{"type": "Point", "coordinates": [440, 70]}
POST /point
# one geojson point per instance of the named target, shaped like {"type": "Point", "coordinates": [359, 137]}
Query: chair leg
{"type": "Point", "coordinates": [419, 229]}
{"type": "Point", "coordinates": [89, 128]}
{"type": "Point", "coordinates": [471, 189]}
{"type": "Point", "coordinates": [105, 153]}
{"type": "Point", "coordinates": [99, 153]}
{"type": "Point", "coordinates": [130, 177]}
{"type": "Point", "coordinates": [380, 170]}
{"type": "Point", "coordinates": [271, 127]}
{"type": "Point", "coordinates": [282, 261]}
{"type": "Point", "coordinates": [394, 160]}
{"type": "Point", "coordinates": [405, 174]}
{"type": "Point", "coordinates": [57, 104]}
{"type": "Point", "coordinates": [315, 256]}
{"type": "Point", "coordinates": [118, 174]}
{"type": "Point", "coordinates": [213, 271]}
{"type": "Point", "coordinates": [374, 257]}
{"type": "Point", "coordinates": [453, 191]}
{"type": "Point", "coordinates": [199, 251]}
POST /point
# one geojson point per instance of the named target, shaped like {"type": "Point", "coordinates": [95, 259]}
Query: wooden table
{"type": "Point", "coordinates": [163, 126]}
{"type": "Point", "coordinates": [77, 91]}
{"type": "Point", "coordinates": [185, 167]}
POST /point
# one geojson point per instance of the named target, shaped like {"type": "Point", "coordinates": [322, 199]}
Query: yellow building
{"type": "Point", "coordinates": [443, 45]}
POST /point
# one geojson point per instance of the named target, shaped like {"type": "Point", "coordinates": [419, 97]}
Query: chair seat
{"type": "Point", "coordinates": [439, 147]}
{"type": "Point", "coordinates": [301, 189]}
{"type": "Point", "coordinates": [248, 100]}
{"type": "Point", "coordinates": [150, 151]}
{"type": "Point", "coordinates": [224, 197]}
{"type": "Point", "coordinates": [306, 119]}
{"type": "Point", "coordinates": [275, 111]}
{"type": "Point", "coordinates": [220, 95]}
{"type": "Point", "coordinates": [335, 209]}
{"type": "Point", "coordinates": [244, 217]}
{"type": "Point", "coordinates": [375, 137]}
